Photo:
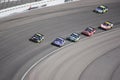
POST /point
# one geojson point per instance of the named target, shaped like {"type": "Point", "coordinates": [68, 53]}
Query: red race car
{"type": "Point", "coordinates": [89, 31]}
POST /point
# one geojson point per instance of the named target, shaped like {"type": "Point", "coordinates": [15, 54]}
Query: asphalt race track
{"type": "Point", "coordinates": [90, 59]}
{"type": "Point", "coordinates": [17, 53]}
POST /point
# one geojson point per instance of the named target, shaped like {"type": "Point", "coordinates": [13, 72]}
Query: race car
{"type": "Point", "coordinates": [74, 37]}
{"type": "Point", "coordinates": [58, 42]}
{"type": "Point", "coordinates": [101, 9]}
{"type": "Point", "coordinates": [37, 38]}
{"type": "Point", "coordinates": [89, 31]}
{"type": "Point", "coordinates": [106, 25]}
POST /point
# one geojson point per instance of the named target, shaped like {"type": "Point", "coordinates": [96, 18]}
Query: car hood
{"type": "Point", "coordinates": [58, 42]}
{"type": "Point", "coordinates": [99, 10]}
{"type": "Point", "coordinates": [72, 38]}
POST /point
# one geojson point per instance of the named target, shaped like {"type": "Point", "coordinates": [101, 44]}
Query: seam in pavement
{"type": "Point", "coordinates": [111, 78]}
{"type": "Point", "coordinates": [94, 61]}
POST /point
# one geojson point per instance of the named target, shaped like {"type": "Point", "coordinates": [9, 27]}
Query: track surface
{"type": "Point", "coordinates": [17, 51]}
{"type": "Point", "coordinates": [89, 59]}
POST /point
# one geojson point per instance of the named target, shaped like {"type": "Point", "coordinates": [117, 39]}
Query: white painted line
{"type": "Point", "coordinates": [42, 60]}
{"type": "Point", "coordinates": [51, 54]}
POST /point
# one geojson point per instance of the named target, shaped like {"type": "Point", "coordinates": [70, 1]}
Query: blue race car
{"type": "Point", "coordinates": [37, 38]}
{"type": "Point", "coordinates": [101, 9]}
{"type": "Point", "coordinates": [59, 42]}
{"type": "Point", "coordinates": [74, 37]}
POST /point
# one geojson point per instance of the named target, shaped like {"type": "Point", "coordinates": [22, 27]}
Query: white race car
{"type": "Point", "coordinates": [106, 25]}
{"type": "Point", "coordinates": [101, 9]}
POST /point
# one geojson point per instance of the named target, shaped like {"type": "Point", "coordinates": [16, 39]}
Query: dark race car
{"type": "Point", "coordinates": [59, 42]}
{"type": "Point", "coordinates": [37, 38]}
{"type": "Point", "coordinates": [89, 31]}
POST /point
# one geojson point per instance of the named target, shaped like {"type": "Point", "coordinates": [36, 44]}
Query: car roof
{"type": "Point", "coordinates": [60, 38]}
{"type": "Point", "coordinates": [108, 22]}
{"type": "Point", "coordinates": [103, 6]}
{"type": "Point", "coordinates": [75, 33]}
{"type": "Point", "coordinates": [39, 34]}
{"type": "Point", "coordinates": [90, 27]}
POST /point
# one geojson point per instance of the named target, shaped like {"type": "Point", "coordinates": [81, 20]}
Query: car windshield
{"type": "Point", "coordinates": [38, 36]}
{"type": "Point", "coordinates": [89, 29]}
{"type": "Point", "coordinates": [106, 24]}
{"type": "Point", "coordinates": [100, 8]}
{"type": "Point", "coordinates": [74, 35]}
{"type": "Point", "coordinates": [58, 39]}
